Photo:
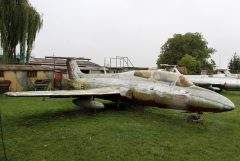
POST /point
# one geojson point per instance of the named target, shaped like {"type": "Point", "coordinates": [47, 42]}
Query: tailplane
{"type": "Point", "coordinates": [73, 70]}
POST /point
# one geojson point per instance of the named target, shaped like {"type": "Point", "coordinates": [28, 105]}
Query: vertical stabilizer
{"type": "Point", "coordinates": [73, 70]}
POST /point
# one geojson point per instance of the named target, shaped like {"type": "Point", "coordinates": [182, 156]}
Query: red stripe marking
{"type": "Point", "coordinates": [225, 84]}
{"type": "Point", "coordinates": [181, 96]}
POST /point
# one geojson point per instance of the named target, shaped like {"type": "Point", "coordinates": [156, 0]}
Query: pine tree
{"type": "Point", "coordinates": [234, 64]}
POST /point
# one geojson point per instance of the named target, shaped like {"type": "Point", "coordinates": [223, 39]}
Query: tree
{"type": "Point", "coordinates": [9, 22]}
{"type": "Point", "coordinates": [234, 64]}
{"type": "Point", "coordinates": [192, 44]}
{"type": "Point", "coordinates": [193, 65]}
{"type": "Point", "coordinates": [24, 12]}
{"type": "Point", "coordinates": [32, 29]}
{"type": "Point", "coordinates": [19, 24]}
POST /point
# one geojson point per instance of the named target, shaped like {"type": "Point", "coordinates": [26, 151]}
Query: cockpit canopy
{"type": "Point", "coordinates": [164, 76]}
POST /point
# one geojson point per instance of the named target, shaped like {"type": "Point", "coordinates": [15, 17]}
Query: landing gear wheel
{"type": "Point", "coordinates": [195, 118]}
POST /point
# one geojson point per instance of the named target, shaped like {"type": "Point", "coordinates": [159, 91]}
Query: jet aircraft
{"type": "Point", "coordinates": [172, 91]}
{"type": "Point", "coordinates": [225, 73]}
{"type": "Point", "coordinates": [214, 82]}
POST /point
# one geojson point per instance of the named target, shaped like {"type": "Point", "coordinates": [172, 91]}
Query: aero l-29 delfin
{"type": "Point", "coordinates": [216, 82]}
{"type": "Point", "coordinates": [173, 91]}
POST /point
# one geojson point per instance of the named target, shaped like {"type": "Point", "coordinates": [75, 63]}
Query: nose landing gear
{"type": "Point", "coordinates": [195, 118]}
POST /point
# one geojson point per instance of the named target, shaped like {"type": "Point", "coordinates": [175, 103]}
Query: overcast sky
{"type": "Point", "coordinates": [134, 28]}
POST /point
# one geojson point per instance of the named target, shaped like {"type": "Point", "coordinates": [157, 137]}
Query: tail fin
{"type": "Point", "coordinates": [73, 70]}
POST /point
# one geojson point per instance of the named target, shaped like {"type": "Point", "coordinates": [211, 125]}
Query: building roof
{"type": "Point", "coordinates": [81, 68]}
{"type": "Point", "coordinates": [25, 68]}
{"type": "Point", "coordinates": [61, 62]}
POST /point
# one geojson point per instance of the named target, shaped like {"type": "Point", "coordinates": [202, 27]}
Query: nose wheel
{"type": "Point", "coordinates": [195, 118]}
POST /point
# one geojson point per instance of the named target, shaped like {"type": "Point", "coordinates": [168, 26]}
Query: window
{"type": "Point", "coordinates": [1, 73]}
{"type": "Point", "coordinates": [183, 82]}
{"type": "Point", "coordinates": [32, 74]}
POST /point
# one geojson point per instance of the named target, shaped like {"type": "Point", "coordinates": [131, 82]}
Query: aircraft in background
{"type": "Point", "coordinates": [216, 82]}
{"type": "Point", "coordinates": [225, 73]}
{"type": "Point", "coordinates": [172, 91]}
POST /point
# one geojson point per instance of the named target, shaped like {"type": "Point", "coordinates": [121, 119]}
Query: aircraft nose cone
{"type": "Point", "coordinates": [212, 101]}
{"type": "Point", "coordinates": [228, 105]}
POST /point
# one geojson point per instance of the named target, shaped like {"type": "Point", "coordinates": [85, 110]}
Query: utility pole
{"type": "Point", "coordinates": [1, 50]}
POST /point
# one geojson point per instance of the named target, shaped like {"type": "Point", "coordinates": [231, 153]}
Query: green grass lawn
{"type": "Point", "coordinates": [57, 130]}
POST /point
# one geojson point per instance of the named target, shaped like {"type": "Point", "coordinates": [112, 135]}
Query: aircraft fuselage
{"type": "Point", "coordinates": [162, 95]}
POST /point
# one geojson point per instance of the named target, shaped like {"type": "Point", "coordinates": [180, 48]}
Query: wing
{"type": "Point", "coordinates": [66, 93]}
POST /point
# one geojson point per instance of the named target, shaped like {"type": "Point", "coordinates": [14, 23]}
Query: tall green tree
{"type": "Point", "coordinates": [19, 24]}
{"type": "Point", "coordinates": [193, 65]}
{"type": "Point", "coordinates": [234, 64]}
{"type": "Point", "coordinates": [24, 12]}
{"type": "Point", "coordinates": [9, 28]}
{"type": "Point", "coordinates": [34, 26]}
{"type": "Point", "coordinates": [192, 44]}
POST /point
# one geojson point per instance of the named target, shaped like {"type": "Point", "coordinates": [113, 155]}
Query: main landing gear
{"type": "Point", "coordinates": [195, 118]}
